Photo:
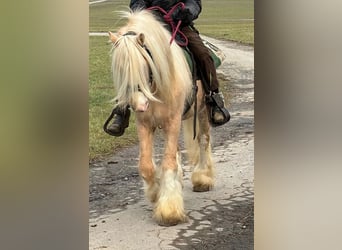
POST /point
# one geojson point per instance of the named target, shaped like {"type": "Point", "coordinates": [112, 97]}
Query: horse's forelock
{"type": "Point", "coordinates": [130, 70]}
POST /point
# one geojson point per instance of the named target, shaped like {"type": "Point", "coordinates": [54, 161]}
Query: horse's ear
{"type": "Point", "coordinates": [141, 39]}
{"type": "Point", "coordinates": [112, 37]}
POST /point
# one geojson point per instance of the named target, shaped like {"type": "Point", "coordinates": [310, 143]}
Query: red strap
{"type": "Point", "coordinates": [168, 19]}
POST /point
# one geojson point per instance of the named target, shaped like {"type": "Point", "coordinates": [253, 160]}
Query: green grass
{"type": "Point", "coordinates": [103, 16]}
{"type": "Point", "coordinates": [221, 19]}
{"type": "Point", "coordinates": [227, 20]}
{"type": "Point", "coordinates": [101, 92]}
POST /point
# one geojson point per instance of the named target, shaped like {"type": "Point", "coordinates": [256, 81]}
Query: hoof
{"type": "Point", "coordinates": [171, 221]}
{"type": "Point", "coordinates": [201, 182]}
{"type": "Point", "coordinates": [169, 209]}
{"type": "Point", "coordinates": [170, 213]}
{"type": "Point", "coordinates": [202, 187]}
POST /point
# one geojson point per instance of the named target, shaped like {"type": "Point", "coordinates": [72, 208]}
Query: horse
{"type": "Point", "coordinates": [154, 78]}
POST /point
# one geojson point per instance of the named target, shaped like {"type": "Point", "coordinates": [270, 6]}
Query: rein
{"type": "Point", "coordinates": [168, 19]}
{"type": "Point", "coordinates": [174, 30]}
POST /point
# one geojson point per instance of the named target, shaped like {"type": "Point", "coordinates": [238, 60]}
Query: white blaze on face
{"type": "Point", "coordinates": [139, 102]}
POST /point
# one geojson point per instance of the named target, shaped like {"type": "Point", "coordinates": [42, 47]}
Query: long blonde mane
{"type": "Point", "coordinates": [131, 62]}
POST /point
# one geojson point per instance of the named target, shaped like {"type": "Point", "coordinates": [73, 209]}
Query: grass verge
{"type": "Point", "coordinates": [101, 92]}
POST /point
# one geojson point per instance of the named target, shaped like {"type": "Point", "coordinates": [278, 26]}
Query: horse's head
{"type": "Point", "coordinates": [132, 72]}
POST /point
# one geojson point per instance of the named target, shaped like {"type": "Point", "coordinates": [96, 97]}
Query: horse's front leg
{"type": "Point", "coordinates": [146, 165]}
{"type": "Point", "coordinates": [169, 209]}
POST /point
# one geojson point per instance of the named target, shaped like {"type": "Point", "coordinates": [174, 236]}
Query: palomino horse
{"type": "Point", "coordinates": [153, 77]}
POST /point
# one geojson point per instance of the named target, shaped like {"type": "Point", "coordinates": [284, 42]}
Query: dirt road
{"type": "Point", "coordinates": [120, 216]}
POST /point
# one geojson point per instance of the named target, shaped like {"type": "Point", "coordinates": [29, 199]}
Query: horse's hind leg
{"type": "Point", "coordinates": [169, 209]}
{"type": "Point", "coordinates": [203, 174]}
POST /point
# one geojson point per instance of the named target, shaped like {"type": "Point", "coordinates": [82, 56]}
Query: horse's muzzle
{"type": "Point", "coordinates": [140, 103]}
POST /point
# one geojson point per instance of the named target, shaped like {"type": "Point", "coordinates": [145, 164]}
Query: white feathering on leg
{"type": "Point", "coordinates": [169, 209]}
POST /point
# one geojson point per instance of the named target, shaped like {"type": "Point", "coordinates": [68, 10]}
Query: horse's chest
{"type": "Point", "coordinates": [157, 115]}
